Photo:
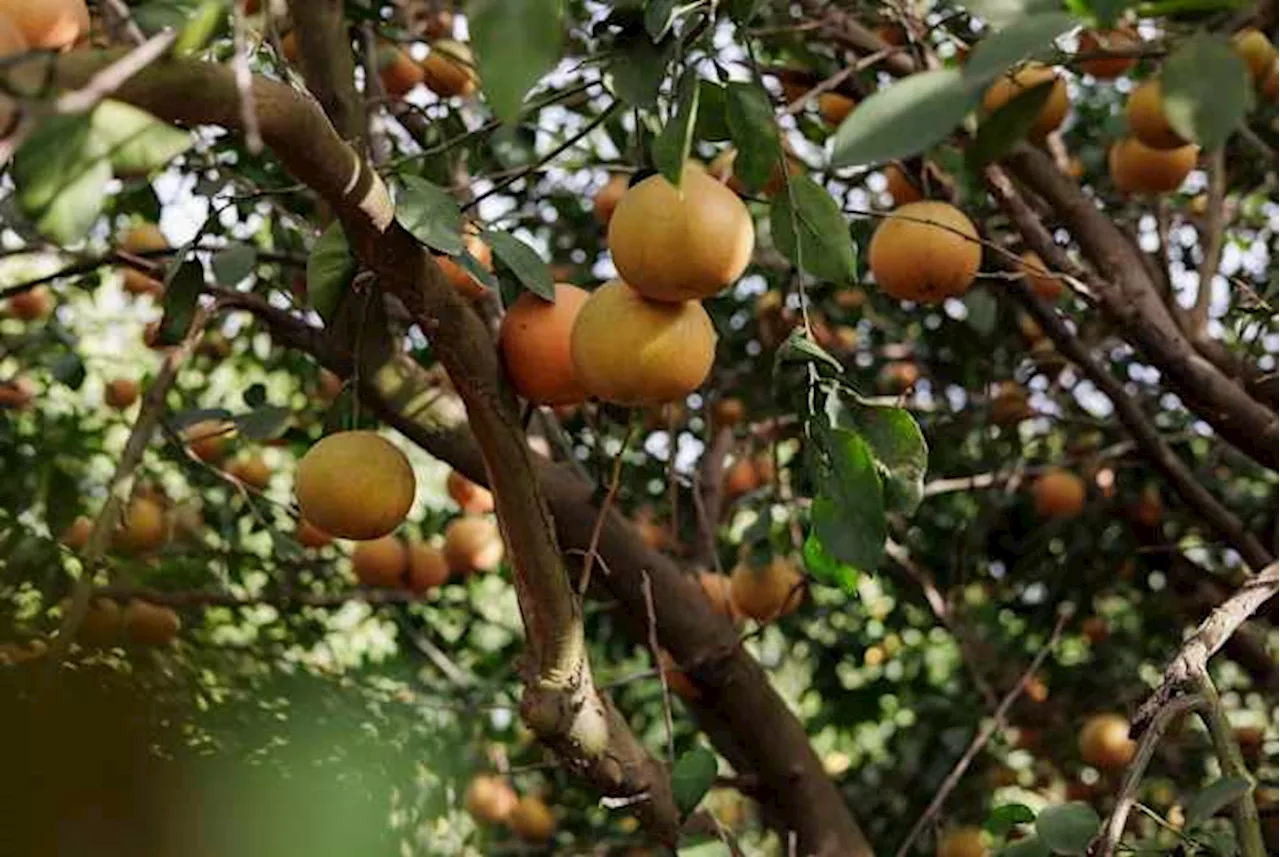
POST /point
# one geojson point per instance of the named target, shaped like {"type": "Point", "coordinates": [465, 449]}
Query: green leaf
{"type": "Point", "coordinates": [431, 215]}
{"type": "Point", "coordinates": [200, 28]}
{"type": "Point", "coordinates": [1029, 846]}
{"type": "Point", "coordinates": [62, 498]}
{"type": "Point", "coordinates": [180, 294]}
{"type": "Point", "coordinates": [659, 15]}
{"type": "Point", "coordinates": [263, 423]}
{"type": "Point", "coordinates": [255, 396]}
{"type": "Point", "coordinates": [234, 264]}
{"type": "Point", "coordinates": [848, 511]}
{"type": "Point", "coordinates": [637, 69]}
{"type": "Point", "coordinates": [1214, 797]}
{"type": "Point", "coordinates": [754, 131]}
{"type": "Point", "coordinates": [136, 142]}
{"type": "Point", "coordinates": [1001, 131]}
{"type": "Point", "coordinates": [905, 118]}
{"type": "Point", "coordinates": [1068, 828]}
{"type": "Point", "coordinates": [473, 267]}
{"type": "Point", "coordinates": [286, 547]}
{"type": "Point", "coordinates": [826, 569]}
{"type": "Point", "coordinates": [329, 271]}
{"type": "Point", "coordinates": [742, 11]}
{"type": "Point", "coordinates": [809, 230]}
{"type": "Point", "coordinates": [156, 15]}
{"type": "Point", "coordinates": [69, 369]}
{"type": "Point", "coordinates": [999, 13]}
{"type": "Point", "coordinates": [523, 262]}
{"type": "Point", "coordinates": [713, 112]}
{"type": "Point", "coordinates": [982, 311]}
{"type": "Point", "coordinates": [671, 147]}
{"type": "Point", "coordinates": [900, 451]}
{"type": "Point", "coordinates": [799, 348]}
{"type": "Point", "coordinates": [1206, 89]}
{"type": "Point", "coordinates": [692, 777]}
{"type": "Point", "coordinates": [61, 172]}
{"type": "Point", "coordinates": [1024, 38]}
{"type": "Point", "coordinates": [516, 43]}
{"type": "Point", "coordinates": [1004, 818]}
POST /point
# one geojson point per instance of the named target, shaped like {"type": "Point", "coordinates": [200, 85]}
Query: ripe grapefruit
{"type": "Point", "coordinates": [489, 799]}
{"type": "Point", "coordinates": [963, 842]}
{"type": "Point", "coordinates": [380, 562]}
{"type": "Point", "coordinates": [462, 280]}
{"type": "Point", "coordinates": [1098, 41]}
{"type": "Point", "coordinates": [925, 252]}
{"type": "Point", "coordinates": [1042, 282]}
{"type": "Point", "coordinates": [902, 189]}
{"type": "Point", "coordinates": [120, 393]}
{"type": "Point", "coordinates": [428, 569]}
{"type": "Point", "coordinates": [531, 820]}
{"type": "Point", "coordinates": [719, 591]}
{"type": "Point", "coordinates": [766, 593]}
{"type": "Point", "coordinates": [397, 71]}
{"type": "Point", "coordinates": [1140, 169]}
{"type": "Point", "coordinates": [1058, 494]}
{"type": "Point", "coordinates": [252, 470]}
{"type": "Point", "coordinates": [49, 24]}
{"type": "Point", "coordinates": [1256, 50]}
{"type": "Point", "coordinates": [30, 305]}
{"type": "Point", "coordinates": [311, 536]}
{"type": "Point", "coordinates": [471, 498]}
{"type": "Point", "coordinates": [632, 351]}
{"type": "Point", "coordinates": [472, 545]}
{"type": "Point", "coordinates": [142, 528]}
{"type": "Point", "coordinates": [834, 108]}
{"type": "Point", "coordinates": [449, 69]}
{"type": "Point", "coordinates": [1029, 76]}
{"type": "Point", "coordinates": [1147, 121]}
{"type": "Point", "coordinates": [608, 197]}
{"type": "Point", "coordinates": [355, 485]}
{"type": "Point", "coordinates": [1105, 742]}
{"type": "Point", "coordinates": [150, 624]}
{"type": "Point", "coordinates": [675, 244]}
{"type": "Point", "coordinates": [208, 439]}
{"type": "Point", "coordinates": [534, 339]}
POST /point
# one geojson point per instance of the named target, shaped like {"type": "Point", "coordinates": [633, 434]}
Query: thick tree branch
{"type": "Point", "coordinates": [561, 703]}
{"type": "Point", "coordinates": [1132, 301]}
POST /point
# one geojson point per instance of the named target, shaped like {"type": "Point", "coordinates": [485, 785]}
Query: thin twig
{"type": "Point", "coordinates": [1211, 240]}
{"type": "Point", "coordinates": [244, 82]}
{"type": "Point", "coordinates": [614, 482]}
{"type": "Point", "coordinates": [646, 588]}
{"type": "Point", "coordinates": [983, 736]}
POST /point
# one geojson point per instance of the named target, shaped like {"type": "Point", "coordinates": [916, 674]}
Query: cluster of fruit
{"type": "Point", "coordinates": [490, 799]}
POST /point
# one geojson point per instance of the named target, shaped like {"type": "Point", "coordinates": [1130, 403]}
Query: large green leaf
{"type": "Point", "coordinates": [430, 214]}
{"type": "Point", "coordinates": [799, 348]}
{"type": "Point", "coordinates": [638, 67]}
{"type": "Point", "coordinates": [1000, 131]}
{"type": "Point", "coordinates": [263, 423]}
{"type": "Point", "coordinates": [1213, 797]}
{"type": "Point", "coordinates": [1068, 828]}
{"type": "Point", "coordinates": [904, 119]}
{"type": "Point", "coordinates": [691, 778]}
{"type": "Point", "coordinates": [234, 264]}
{"type": "Point", "coordinates": [1206, 89]}
{"type": "Point", "coordinates": [659, 15]}
{"type": "Point", "coordinates": [671, 147]}
{"type": "Point", "coordinates": [809, 229]}
{"type": "Point", "coordinates": [754, 131]}
{"type": "Point", "coordinates": [1000, 13]}
{"type": "Point", "coordinates": [848, 511]}
{"type": "Point", "coordinates": [1002, 819]}
{"type": "Point", "coordinates": [180, 295]}
{"type": "Point", "coordinates": [330, 268]}
{"type": "Point", "coordinates": [1028, 846]}
{"type": "Point", "coordinates": [713, 112]}
{"type": "Point", "coordinates": [1025, 38]}
{"type": "Point", "coordinates": [900, 451]}
{"type": "Point", "coordinates": [61, 172]}
{"type": "Point", "coordinates": [825, 568]}
{"type": "Point", "coordinates": [523, 262]}
{"type": "Point", "coordinates": [137, 142]}
{"type": "Point", "coordinates": [516, 43]}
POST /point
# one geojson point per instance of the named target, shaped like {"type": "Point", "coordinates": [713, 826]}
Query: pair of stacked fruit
{"type": "Point", "coordinates": [642, 339]}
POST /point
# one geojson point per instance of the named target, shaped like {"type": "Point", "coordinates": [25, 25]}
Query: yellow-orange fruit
{"type": "Point", "coordinates": [150, 624]}
{"type": "Point", "coordinates": [328, 385]}
{"type": "Point", "coordinates": [49, 24]}
{"type": "Point", "coordinates": [963, 842]}
{"type": "Point", "coordinates": [489, 799]}
{"type": "Point", "coordinates": [1042, 282]}
{"type": "Point", "coordinates": [897, 377]}
{"type": "Point", "coordinates": [103, 624]}
{"type": "Point", "coordinates": [925, 252]}
{"type": "Point", "coordinates": [719, 591]}
{"type": "Point", "coordinates": [449, 70]}
{"type": "Point", "coordinates": [902, 189]}
{"type": "Point", "coordinates": [120, 393]}
{"type": "Point", "coordinates": [1006, 87]}
{"type": "Point", "coordinates": [1095, 629]}
{"type": "Point", "coordinates": [1147, 121]}
{"type": "Point", "coordinates": [766, 593]}
{"type": "Point", "coordinates": [142, 528]}
{"type": "Point", "coordinates": [608, 197]}
{"type": "Point", "coordinates": [1105, 742]}
{"type": "Point", "coordinates": [398, 72]}
{"type": "Point", "coordinates": [289, 47]}
{"type": "Point", "coordinates": [16, 394]}
{"type": "Point", "coordinates": [355, 485]}
{"type": "Point", "coordinates": [1058, 494]}
{"type": "Point", "coordinates": [472, 544]}
{"type": "Point", "coordinates": [31, 304]}
{"type": "Point", "coordinates": [428, 569]}
{"type": "Point", "coordinates": [531, 820]}
{"type": "Point", "coordinates": [741, 478]}
{"type": "Point", "coordinates": [534, 339]}
{"type": "Point", "coordinates": [143, 238]}
{"type": "Point", "coordinates": [834, 108]}
{"type": "Point", "coordinates": [252, 470]}
{"type": "Point", "coordinates": [462, 280]}
{"type": "Point", "coordinates": [653, 534]}
{"type": "Point", "coordinates": [208, 439]}
{"type": "Point", "coordinates": [438, 24]}
{"type": "Point", "coordinates": [1138, 168]}
{"type": "Point", "coordinates": [632, 351]}
{"type": "Point", "coordinates": [728, 412]}
{"type": "Point", "coordinates": [311, 536]}
{"type": "Point", "coordinates": [471, 498]}
{"type": "Point", "coordinates": [1097, 41]}
{"type": "Point", "coordinates": [676, 244]}
{"type": "Point", "coordinates": [76, 535]}
{"type": "Point", "coordinates": [1256, 50]}
{"type": "Point", "coordinates": [763, 464]}
{"type": "Point", "coordinates": [380, 562]}
{"type": "Point", "coordinates": [137, 283]}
